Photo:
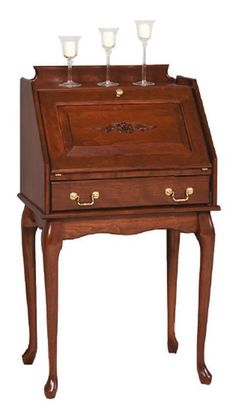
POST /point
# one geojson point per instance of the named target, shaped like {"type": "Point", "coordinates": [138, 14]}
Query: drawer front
{"type": "Point", "coordinates": [133, 192]}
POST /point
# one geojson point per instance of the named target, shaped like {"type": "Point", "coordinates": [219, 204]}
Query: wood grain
{"type": "Point", "coordinates": [173, 239]}
{"type": "Point", "coordinates": [130, 149]}
{"type": "Point", "coordinates": [51, 246]}
{"type": "Point", "coordinates": [129, 192]}
{"type": "Point", "coordinates": [64, 132]}
{"type": "Point", "coordinates": [29, 227]}
{"type": "Point", "coordinates": [206, 238]}
{"type": "Point", "coordinates": [32, 160]}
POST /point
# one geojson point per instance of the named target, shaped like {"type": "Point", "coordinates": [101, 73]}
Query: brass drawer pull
{"type": "Point", "coordinates": [119, 92]}
{"type": "Point", "coordinates": [169, 192]}
{"type": "Point", "coordinates": [75, 197]}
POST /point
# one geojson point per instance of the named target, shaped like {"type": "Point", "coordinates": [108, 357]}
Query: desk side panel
{"type": "Point", "coordinates": [210, 144]}
{"type": "Point", "coordinates": [207, 134]}
{"type": "Point", "coordinates": [32, 180]}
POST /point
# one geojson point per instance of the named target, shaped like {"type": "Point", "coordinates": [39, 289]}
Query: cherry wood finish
{"type": "Point", "coordinates": [90, 133]}
{"type": "Point", "coordinates": [159, 128]}
{"type": "Point", "coordinates": [129, 192]}
{"type": "Point", "coordinates": [173, 239]}
{"type": "Point", "coordinates": [130, 149]}
{"type": "Point", "coordinates": [206, 238]}
{"type": "Point", "coordinates": [51, 246]}
{"type": "Point", "coordinates": [31, 149]}
{"type": "Point", "coordinates": [29, 228]}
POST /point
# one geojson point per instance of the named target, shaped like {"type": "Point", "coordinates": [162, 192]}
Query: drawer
{"type": "Point", "coordinates": [132, 192]}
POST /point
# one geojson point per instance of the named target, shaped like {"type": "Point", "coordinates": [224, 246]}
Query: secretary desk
{"type": "Point", "coordinates": [120, 160]}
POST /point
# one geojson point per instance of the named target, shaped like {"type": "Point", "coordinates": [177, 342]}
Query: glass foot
{"type": "Point", "coordinates": [70, 84]}
{"type": "Point", "coordinates": [107, 84]}
{"type": "Point", "coordinates": [143, 83]}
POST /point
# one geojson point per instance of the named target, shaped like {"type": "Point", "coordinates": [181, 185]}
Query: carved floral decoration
{"type": "Point", "coordinates": [127, 128]}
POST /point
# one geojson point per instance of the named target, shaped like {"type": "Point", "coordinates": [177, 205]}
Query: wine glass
{"type": "Point", "coordinates": [144, 32]}
{"type": "Point", "coordinates": [108, 37]}
{"type": "Point", "coordinates": [70, 51]}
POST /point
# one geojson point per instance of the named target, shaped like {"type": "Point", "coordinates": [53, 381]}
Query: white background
{"type": "Point", "coordinates": [112, 321]}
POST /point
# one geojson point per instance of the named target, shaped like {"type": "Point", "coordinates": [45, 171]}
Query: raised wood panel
{"type": "Point", "coordinates": [113, 130]}
{"type": "Point", "coordinates": [91, 129]}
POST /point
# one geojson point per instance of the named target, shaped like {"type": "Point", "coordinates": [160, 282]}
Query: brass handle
{"type": "Point", "coordinates": [75, 197]}
{"type": "Point", "coordinates": [119, 92]}
{"type": "Point", "coordinates": [169, 192]}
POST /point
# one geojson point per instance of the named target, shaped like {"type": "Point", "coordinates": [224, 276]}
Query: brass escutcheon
{"type": "Point", "coordinates": [119, 92]}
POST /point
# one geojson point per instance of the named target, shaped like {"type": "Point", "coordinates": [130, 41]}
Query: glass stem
{"type": "Point", "coordinates": [69, 63]}
{"type": "Point", "coordinates": [144, 74]}
{"type": "Point", "coordinates": [108, 57]}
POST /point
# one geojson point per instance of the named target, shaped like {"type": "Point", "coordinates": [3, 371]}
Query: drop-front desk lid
{"type": "Point", "coordinates": [91, 129]}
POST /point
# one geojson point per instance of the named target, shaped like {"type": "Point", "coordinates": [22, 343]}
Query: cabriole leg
{"type": "Point", "coordinates": [206, 238]}
{"type": "Point", "coordinates": [29, 228]}
{"type": "Point", "coordinates": [51, 246]}
{"type": "Point", "coordinates": [173, 238]}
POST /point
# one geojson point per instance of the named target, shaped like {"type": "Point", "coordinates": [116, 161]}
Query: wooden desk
{"type": "Point", "coordinates": [117, 160]}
